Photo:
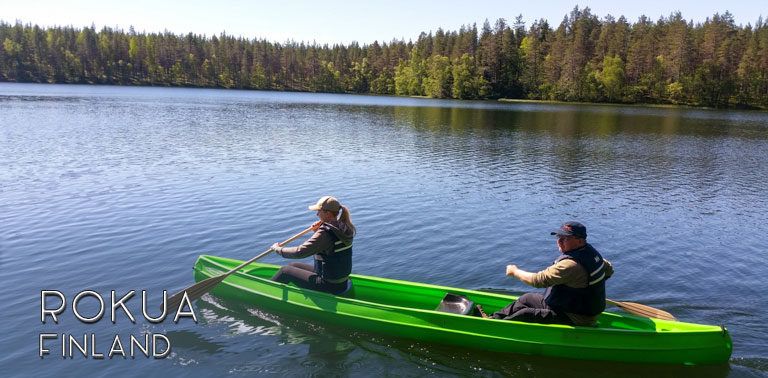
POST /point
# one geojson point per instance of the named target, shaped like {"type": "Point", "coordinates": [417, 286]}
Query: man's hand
{"type": "Point", "coordinates": [512, 270]}
{"type": "Point", "coordinates": [276, 248]}
{"type": "Point", "coordinates": [316, 226]}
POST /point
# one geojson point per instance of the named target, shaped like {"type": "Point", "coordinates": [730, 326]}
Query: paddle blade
{"type": "Point", "coordinates": [643, 310]}
{"type": "Point", "coordinates": [195, 291]}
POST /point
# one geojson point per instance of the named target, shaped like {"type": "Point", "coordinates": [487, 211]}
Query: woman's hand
{"type": "Point", "coordinates": [276, 248]}
{"type": "Point", "coordinates": [316, 226]}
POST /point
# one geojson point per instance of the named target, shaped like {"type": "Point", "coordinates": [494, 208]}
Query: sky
{"type": "Point", "coordinates": [333, 21]}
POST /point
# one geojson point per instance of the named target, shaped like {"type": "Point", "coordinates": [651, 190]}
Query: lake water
{"type": "Point", "coordinates": [113, 188]}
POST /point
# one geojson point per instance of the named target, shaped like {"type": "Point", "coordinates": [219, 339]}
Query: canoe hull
{"type": "Point", "coordinates": [406, 310]}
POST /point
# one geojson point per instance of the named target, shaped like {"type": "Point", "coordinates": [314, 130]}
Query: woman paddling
{"type": "Point", "coordinates": [331, 246]}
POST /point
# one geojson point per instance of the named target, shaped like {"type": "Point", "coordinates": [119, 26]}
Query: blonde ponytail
{"type": "Point", "coordinates": [346, 219]}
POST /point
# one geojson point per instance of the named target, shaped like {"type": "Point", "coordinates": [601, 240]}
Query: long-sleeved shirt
{"type": "Point", "coordinates": [567, 272]}
{"type": "Point", "coordinates": [322, 241]}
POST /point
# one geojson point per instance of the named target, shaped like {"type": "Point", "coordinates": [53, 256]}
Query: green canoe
{"type": "Point", "coordinates": [407, 309]}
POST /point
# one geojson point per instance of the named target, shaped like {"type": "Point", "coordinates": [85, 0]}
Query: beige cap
{"type": "Point", "coordinates": [327, 203]}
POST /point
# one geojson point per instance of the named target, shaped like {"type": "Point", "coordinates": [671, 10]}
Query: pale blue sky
{"type": "Point", "coordinates": [331, 21]}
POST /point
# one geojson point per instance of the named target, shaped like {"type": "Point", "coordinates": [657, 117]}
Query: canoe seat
{"type": "Point", "coordinates": [456, 304]}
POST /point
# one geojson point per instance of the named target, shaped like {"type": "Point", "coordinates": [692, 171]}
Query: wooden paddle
{"type": "Point", "coordinates": [642, 310]}
{"type": "Point", "coordinates": [197, 290]}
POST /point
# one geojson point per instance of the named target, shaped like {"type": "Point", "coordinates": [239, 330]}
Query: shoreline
{"type": "Point", "coordinates": [499, 100]}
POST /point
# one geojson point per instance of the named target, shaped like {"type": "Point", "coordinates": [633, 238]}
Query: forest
{"type": "Point", "coordinates": [585, 58]}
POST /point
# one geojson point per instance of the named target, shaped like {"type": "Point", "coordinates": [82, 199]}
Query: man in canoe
{"type": "Point", "coordinates": [575, 284]}
{"type": "Point", "coordinates": [331, 245]}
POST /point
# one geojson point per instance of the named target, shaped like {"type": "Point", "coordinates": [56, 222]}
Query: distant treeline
{"type": "Point", "coordinates": [586, 58]}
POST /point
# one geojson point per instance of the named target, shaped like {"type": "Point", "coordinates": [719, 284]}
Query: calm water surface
{"type": "Point", "coordinates": [110, 188]}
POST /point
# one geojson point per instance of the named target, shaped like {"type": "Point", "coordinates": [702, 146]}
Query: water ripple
{"type": "Point", "coordinates": [122, 188]}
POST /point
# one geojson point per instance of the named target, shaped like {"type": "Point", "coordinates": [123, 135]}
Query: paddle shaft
{"type": "Point", "coordinates": [199, 289]}
{"type": "Point", "coordinates": [243, 265]}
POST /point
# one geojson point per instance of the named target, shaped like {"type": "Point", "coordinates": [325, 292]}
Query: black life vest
{"type": "Point", "coordinates": [334, 266]}
{"type": "Point", "coordinates": [589, 300]}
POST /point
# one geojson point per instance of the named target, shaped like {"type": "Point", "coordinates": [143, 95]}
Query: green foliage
{"type": "Point", "coordinates": [716, 63]}
{"type": "Point", "coordinates": [258, 77]}
{"type": "Point", "coordinates": [360, 77]}
{"type": "Point", "coordinates": [327, 79]}
{"type": "Point", "coordinates": [611, 78]}
{"type": "Point", "coordinates": [409, 75]}
{"type": "Point", "coordinates": [403, 78]}
{"type": "Point", "coordinates": [418, 72]}
{"type": "Point", "coordinates": [676, 92]}
{"type": "Point", "coordinates": [439, 78]}
{"type": "Point", "coordinates": [709, 84]}
{"type": "Point", "coordinates": [11, 48]}
{"type": "Point", "coordinates": [468, 82]}
{"type": "Point", "coordinates": [384, 83]}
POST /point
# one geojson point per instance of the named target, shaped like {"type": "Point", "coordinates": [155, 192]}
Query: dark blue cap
{"type": "Point", "coordinates": [571, 229]}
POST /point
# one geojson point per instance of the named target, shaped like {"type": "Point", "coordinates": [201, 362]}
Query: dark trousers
{"type": "Point", "coordinates": [531, 308]}
{"type": "Point", "coordinates": [304, 276]}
